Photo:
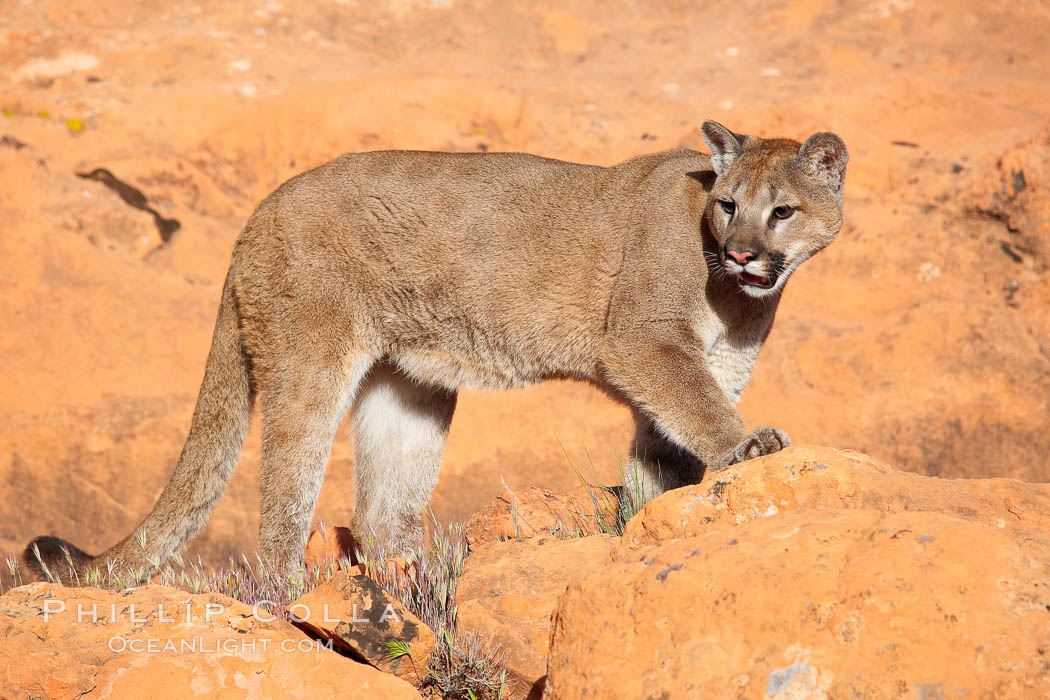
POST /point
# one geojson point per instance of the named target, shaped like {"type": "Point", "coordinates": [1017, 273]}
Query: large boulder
{"type": "Point", "coordinates": [160, 642]}
{"type": "Point", "coordinates": [787, 578]}
{"type": "Point", "coordinates": [508, 590]}
{"type": "Point", "coordinates": [820, 478]}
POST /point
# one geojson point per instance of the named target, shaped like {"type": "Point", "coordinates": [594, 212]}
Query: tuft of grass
{"type": "Point", "coordinates": [253, 582]}
{"type": "Point", "coordinates": [624, 501]}
{"type": "Point", "coordinates": [14, 572]}
{"type": "Point", "coordinates": [462, 665]}
{"type": "Point", "coordinates": [471, 668]}
{"type": "Point", "coordinates": [634, 496]}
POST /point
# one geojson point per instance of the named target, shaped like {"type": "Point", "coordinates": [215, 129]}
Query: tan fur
{"type": "Point", "coordinates": [386, 281]}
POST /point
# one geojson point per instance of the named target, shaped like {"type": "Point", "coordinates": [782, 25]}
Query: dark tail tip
{"type": "Point", "coordinates": [54, 559]}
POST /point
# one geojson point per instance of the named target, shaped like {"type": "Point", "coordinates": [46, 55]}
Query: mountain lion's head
{"type": "Point", "coordinates": [774, 203]}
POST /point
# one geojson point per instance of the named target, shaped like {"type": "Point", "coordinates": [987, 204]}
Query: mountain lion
{"type": "Point", "coordinates": [383, 282]}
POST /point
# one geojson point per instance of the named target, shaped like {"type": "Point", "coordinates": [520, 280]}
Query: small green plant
{"type": "Point", "coordinates": [515, 518]}
{"type": "Point", "coordinates": [395, 649]}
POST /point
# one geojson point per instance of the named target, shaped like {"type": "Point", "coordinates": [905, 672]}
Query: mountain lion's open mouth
{"type": "Point", "coordinates": [747, 279]}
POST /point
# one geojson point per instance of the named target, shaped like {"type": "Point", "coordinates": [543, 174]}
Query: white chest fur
{"type": "Point", "coordinates": [731, 353]}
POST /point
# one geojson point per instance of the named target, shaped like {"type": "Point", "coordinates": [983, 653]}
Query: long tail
{"type": "Point", "coordinates": [211, 452]}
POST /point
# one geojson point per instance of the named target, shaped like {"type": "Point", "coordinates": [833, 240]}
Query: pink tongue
{"type": "Point", "coordinates": [752, 279]}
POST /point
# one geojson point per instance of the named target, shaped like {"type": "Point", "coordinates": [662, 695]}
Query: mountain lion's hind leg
{"type": "Point", "coordinates": [400, 428]}
{"type": "Point", "coordinates": [302, 402]}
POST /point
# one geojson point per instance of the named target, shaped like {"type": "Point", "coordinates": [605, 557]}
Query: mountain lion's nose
{"type": "Point", "coordinates": [741, 258]}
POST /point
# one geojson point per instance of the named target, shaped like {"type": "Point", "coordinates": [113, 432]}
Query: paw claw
{"type": "Point", "coordinates": [762, 441]}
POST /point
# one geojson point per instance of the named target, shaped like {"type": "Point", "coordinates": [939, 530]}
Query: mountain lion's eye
{"type": "Point", "coordinates": [783, 212]}
{"type": "Point", "coordinates": [727, 206]}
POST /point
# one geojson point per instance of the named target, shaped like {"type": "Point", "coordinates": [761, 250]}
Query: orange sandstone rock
{"type": "Point", "coordinates": [508, 590]}
{"type": "Point", "coordinates": [362, 618]}
{"type": "Point", "coordinates": [817, 573]}
{"type": "Point", "coordinates": [160, 642]}
{"type": "Point", "coordinates": [809, 478]}
{"type": "Point", "coordinates": [330, 546]}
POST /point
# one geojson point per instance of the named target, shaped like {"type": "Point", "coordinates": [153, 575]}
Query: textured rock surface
{"type": "Point", "coordinates": [821, 478]}
{"type": "Point", "coordinates": [359, 616]}
{"type": "Point", "coordinates": [158, 642]}
{"type": "Point", "coordinates": [864, 582]}
{"type": "Point", "coordinates": [508, 590]}
{"type": "Point", "coordinates": [532, 511]}
{"type": "Point", "coordinates": [1017, 192]}
{"type": "Point", "coordinates": [331, 545]}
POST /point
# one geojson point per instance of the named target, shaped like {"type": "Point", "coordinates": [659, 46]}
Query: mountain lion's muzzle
{"type": "Point", "coordinates": [752, 268]}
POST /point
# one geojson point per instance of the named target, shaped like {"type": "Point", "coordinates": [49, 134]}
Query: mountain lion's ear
{"type": "Point", "coordinates": [825, 156]}
{"type": "Point", "coordinates": [725, 146]}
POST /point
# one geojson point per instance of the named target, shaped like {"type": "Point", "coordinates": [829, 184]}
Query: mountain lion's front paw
{"type": "Point", "coordinates": [763, 441]}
